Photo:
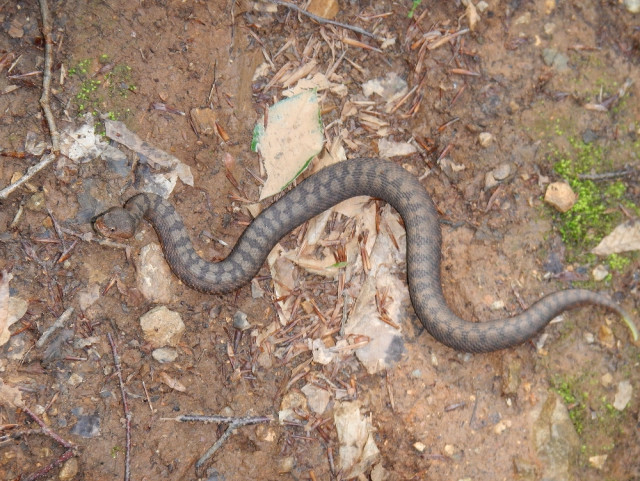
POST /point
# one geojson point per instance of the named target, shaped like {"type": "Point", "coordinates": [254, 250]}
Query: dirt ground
{"type": "Point", "coordinates": [524, 75]}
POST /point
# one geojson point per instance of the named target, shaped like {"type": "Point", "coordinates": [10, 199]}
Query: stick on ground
{"type": "Point", "coordinates": [125, 406]}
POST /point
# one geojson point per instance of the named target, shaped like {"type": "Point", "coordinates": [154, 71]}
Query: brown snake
{"type": "Point", "coordinates": [363, 176]}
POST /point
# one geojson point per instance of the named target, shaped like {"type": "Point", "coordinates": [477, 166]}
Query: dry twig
{"type": "Point", "coordinates": [321, 19]}
{"type": "Point", "coordinates": [44, 103]}
{"type": "Point", "coordinates": [233, 424]}
{"type": "Point", "coordinates": [127, 413]}
{"type": "Point", "coordinates": [46, 79]}
{"type": "Point", "coordinates": [68, 454]}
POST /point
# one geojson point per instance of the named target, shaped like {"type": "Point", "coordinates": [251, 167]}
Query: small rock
{"type": "Point", "coordinates": [36, 202]}
{"type": "Point", "coordinates": [501, 427]}
{"type": "Point", "coordinates": [511, 378]}
{"type": "Point", "coordinates": [88, 295]}
{"type": "Point", "coordinates": [389, 148]}
{"type": "Point", "coordinates": [75, 379]}
{"type": "Point", "coordinates": [87, 426]}
{"type": "Point", "coordinates": [523, 19]}
{"type": "Point", "coordinates": [240, 321]}
{"type": "Point", "coordinates": [560, 196]}
{"type": "Point", "coordinates": [324, 8]}
{"type": "Point", "coordinates": [599, 272]}
{"type": "Point", "coordinates": [489, 181]}
{"type": "Point", "coordinates": [69, 470]}
{"type": "Point", "coordinates": [16, 28]}
{"type": "Point", "coordinates": [482, 6]}
{"type": "Point", "coordinates": [286, 465]}
{"type": "Point", "coordinates": [605, 336]}
{"type": "Point", "coordinates": [524, 469]}
{"type": "Point", "coordinates": [257, 292]}
{"type": "Point", "coordinates": [623, 396]}
{"type": "Point", "coordinates": [497, 305]}
{"type": "Point", "coordinates": [549, 6]}
{"type": "Point", "coordinates": [606, 379]}
{"type": "Point", "coordinates": [153, 275]}
{"type": "Point", "coordinates": [598, 461]}
{"type": "Point", "coordinates": [555, 59]}
{"type": "Point", "coordinates": [416, 374]}
{"type": "Point", "coordinates": [502, 171]}
{"type": "Point", "coordinates": [204, 120]}
{"type": "Point", "coordinates": [589, 338]}
{"type": "Point", "coordinates": [589, 136]}
{"type": "Point", "coordinates": [162, 327]}
{"type": "Point", "coordinates": [555, 439]}
{"type": "Point", "coordinates": [549, 28]}
{"type": "Point", "coordinates": [449, 449]}
{"type": "Point", "coordinates": [485, 139]}
{"type": "Point", "coordinates": [321, 354]}
{"type": "Point", "coordinates": [420, 447]}
{"type": "Point", "coordinates": [165, 354]}
{"type": "Point", "coordinates": [632, 6]}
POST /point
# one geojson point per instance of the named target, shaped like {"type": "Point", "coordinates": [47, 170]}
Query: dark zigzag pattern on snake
{"type": "Point", "coordinates": [362, 176]}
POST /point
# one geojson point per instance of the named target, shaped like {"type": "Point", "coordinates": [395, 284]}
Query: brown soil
{"type": "Point", "coordinates": [473, 413]}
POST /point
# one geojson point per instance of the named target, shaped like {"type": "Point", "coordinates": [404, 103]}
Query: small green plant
{"type": "Point", "coordinates": [415, 5]}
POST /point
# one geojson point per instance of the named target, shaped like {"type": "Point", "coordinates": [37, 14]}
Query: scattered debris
{"type": "Point", "coordinates": [317, 398]}
{"type": "Point", "coordinates": [204, 120]}
{"type": "Point", "coordinates": [391, 88]}
{"type": "Point", "coordinates": [58, 324]}
{"type": "Point", "coordinates": [358, 450]}
{"type": "Point", "coordinates": [172, 382]}
{"type": "Point", "coordinates": [11, 308]}
{"type": "Point", "coordinates": [10, 396]}
{"type": "Point", "coordinates": [605, 104]}
{"type": "Point", "coordinates": [172, 167]}
{"type": "Point", "coordinates": [81, 144]}
{"type": "Point", "coordinates": [389, 148]}
{"type": "Point", "coordinates": [234, 423]}
{"type": "Point", "coordinates": [624, 238]}
{"type": "Point", "coordinates": [324, 8]}
{"type": "Point", "coordinates": [288, 138]}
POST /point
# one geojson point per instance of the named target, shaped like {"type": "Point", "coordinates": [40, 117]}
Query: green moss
{"type": "Point", "coordinates": [596, 211]}
{"type": "Point", "coordinates": [566, 389]}
{"type": "Point", "coordinates": [98, 93]}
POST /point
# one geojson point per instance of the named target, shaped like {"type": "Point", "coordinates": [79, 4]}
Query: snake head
{"type": "Point", "coordinates": [116, 223]}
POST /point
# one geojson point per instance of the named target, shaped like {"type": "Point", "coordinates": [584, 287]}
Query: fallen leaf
{"type": "Point", "coordinates": [624, 238]}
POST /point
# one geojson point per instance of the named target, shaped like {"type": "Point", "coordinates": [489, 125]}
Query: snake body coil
{"type": "Point", "coordinates": [363, 176]}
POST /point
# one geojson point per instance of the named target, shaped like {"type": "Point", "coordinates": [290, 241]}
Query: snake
{"type": "Point", "coordinates": [374, 177]}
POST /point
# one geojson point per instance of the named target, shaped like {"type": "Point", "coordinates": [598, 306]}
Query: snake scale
{"type": "Point", "coordinates": [362, 176]}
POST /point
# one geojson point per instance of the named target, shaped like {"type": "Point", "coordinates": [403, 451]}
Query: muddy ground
{"type": "Point", "coordinates": [524, 75]}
